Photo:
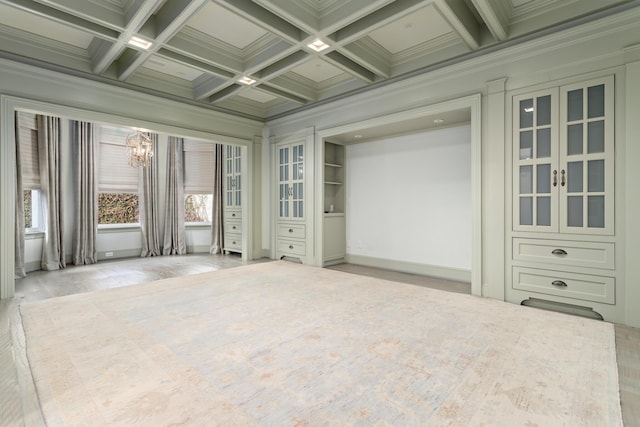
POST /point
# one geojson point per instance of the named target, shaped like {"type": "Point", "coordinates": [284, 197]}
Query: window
{"type": "Point", "coordinates": [33, 210]}
{"type": "Point", "coordinates": [198, 181]}
{"type": "Point", "coordinates": [117, 181]}
{"type": "Point", "coordinates": [30, 166]}
{"type": "Point", "coordinates": [118, 208]}
{"type": "Point", "coordinates": [198, 207]}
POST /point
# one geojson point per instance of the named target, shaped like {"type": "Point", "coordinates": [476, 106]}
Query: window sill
{"type": "Point", "coordinates": [198, 226]}
{"type": "Point", "coordinates": [33, 234]}
{"type": "Point", "coordinates": [117, 228]}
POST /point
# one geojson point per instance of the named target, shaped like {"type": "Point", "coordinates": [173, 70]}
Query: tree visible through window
{"type": "Point", "coordinates": [197, 207]}
{"type": "Point", "coordinates": [118, 208]}
{"type": "Point", "coordinates": [28, 209]}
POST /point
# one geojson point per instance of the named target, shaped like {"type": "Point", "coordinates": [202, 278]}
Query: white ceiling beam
{"type": "Point", "coordinates": [284, 65]}
{"type": "Point", "coordinates": [367, 58]}
{"type": "Point", "coordinates": [225, 93]}
{"type": "Point", "coordinates": [377, 19]}
{"type": "Point", "coordinates": [496, 14]}
{"type": "Point", "coordinates": [171, 17]}
{"type": "Point", "coordinates": [281, 93]}
{"type": "Point", "coordinates": [350, 66]}
{"type": "Point", "coordinates": [264, 19]}
{"type": "Point", "coordinates": [208, 54]}
{"type": "Point", "coordinates": [287, 84]}
{"type": "Point", "coordinates": [90, 11]}
{"type": "Point", "coordinates": [206, 85]}
{"type": "Point", "coordinates": [107, 53]}
{"type": "Point", "coordinates": [65, 18]}
{"type": "Point", "coordinates": [351, 11]}
{"type": "Point", "coordinates": [461, 19]}
{"type": "Point", "coordinates": [194, 63]}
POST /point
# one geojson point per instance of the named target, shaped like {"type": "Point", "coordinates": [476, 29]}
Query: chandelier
{"type": "Point", "coordinates": [140, 148]}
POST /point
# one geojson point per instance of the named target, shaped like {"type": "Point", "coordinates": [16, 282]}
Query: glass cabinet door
{"type": "Point", "coordinates": [283, 181]}
{"type": "Point", "coordinates": [291, 181]}
{"type": "Point", "coordinates": [297, 182]}
{"type": "Point", "coordinates": [535, 148]}
{"type": "Point", "coordinates": [229, 175]}
{"type": "Point", "coordinates": [587, 157]}
{"type": "Point", "coordinates": [237, 176]}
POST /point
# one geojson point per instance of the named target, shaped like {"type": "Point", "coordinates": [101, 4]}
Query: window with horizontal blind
{"type": "Point", "coordinates": [30, 167]}
{"type": "Point", "coordinates": [198, 181]}
{"type": "Point", "coordinates": [28, 137]}
{"type": "Point", "coordinates": [117, 180]}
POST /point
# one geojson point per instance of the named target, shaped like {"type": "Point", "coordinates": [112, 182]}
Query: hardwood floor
{"type": "Point", "coordinates": [18, 401]}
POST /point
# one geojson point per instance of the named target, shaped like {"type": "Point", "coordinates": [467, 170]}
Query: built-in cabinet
{"type": "Point", "coordinates": [563, 236]}
{"type": "Point", "coordinates": [291, 225]}
{"type": "Point", "coordinates": [232, 190]}
{"type": "Point", "coordinates": [333, 215]}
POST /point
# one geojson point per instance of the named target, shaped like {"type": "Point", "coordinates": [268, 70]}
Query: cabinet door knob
{"type": "Point", "coordinates": [291, 230]}
{"type": "Point", "coordinates": [233, 214]}
{"type": "Point", "coordinates": [290, 246]}
{"type": "Point", "coordinates": [559, 252]}
{"type": "Point", "coordinates": [559, 283]}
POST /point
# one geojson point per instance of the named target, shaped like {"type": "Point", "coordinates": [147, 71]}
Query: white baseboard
{"type": "Point", "coordinates": [129, 253]}
{"type": "Point", "coordinates": [198, 249]}
{"type": "Point", "coordinates": [448, 273]}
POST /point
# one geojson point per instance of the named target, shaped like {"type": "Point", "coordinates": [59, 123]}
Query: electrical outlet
{"type": "Point", "coordinates": [108, 254]}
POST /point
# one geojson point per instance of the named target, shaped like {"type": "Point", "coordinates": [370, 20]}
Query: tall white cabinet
{"type": "Point", "coordinates": [293, 222]}
{"type": "Point", "coordinates": [563, 237]}
{"type": "Point", "coordinates": [232, 191]}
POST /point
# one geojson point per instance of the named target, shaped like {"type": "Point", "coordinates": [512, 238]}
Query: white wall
{"type": "Point", "coordinates": [409, 198]}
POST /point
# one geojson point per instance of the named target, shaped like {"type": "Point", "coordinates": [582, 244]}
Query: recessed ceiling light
{"type": "Point", "coordinates": [438, 121]}
{"type": "Point", "coordinates": [318, 45]}
{"type": "Point", "coordinates": [139, 42]}
{"type": "Point", "coordinates": [246, 80]}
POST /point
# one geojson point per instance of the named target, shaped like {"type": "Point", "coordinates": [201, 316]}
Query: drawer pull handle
{"type": "Point", "coordinates": [291, 230]}
{"type": "Point", "coordinates": [559, 252]}
{"type": "Point", "coordinates": [234, 227]}
{"type": "Point", "coordinates": [233, 214]}
{"type": "Point", "coordinates": [559, 283]}
{"type": "Point", "coordinates": [290, 246]}
{"type": "Point", "coordinates": [234, 243]}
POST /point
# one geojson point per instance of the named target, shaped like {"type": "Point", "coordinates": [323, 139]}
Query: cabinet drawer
{"type": "Point", "coordinates": [564, 284]}
{"type": "Point", "coordinates": [561, 252]}
{"type": "Point", "coordinates": [292, 230]}
{"type": "Point", "coordinates": [233, 214]}
{"type": "Point", "coordinates": [233, 227]}
{"type": "Point", "coordinates": [232, 241]}
{"type": "Point", "coordinates": [291, 247]}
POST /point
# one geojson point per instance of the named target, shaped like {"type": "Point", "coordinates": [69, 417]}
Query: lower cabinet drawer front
{"type": "Point", "coordinates": [233, 226]}
{"type": "Point", "coordinates": [292, 230]}
{"type": "Point", "coordinates": [291, 247]}
{"type": "Point", "coordinates": [232, 241]}
{"type": "Point", "coordinates": [570, 285]}
{"type": "Point", "coordinates": [233, 214]}
{"type": "Point", "coordinates": [579, 254]}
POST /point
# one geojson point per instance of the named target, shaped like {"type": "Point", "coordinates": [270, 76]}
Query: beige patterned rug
{"type": "Point", "coordinates": [280, 344]}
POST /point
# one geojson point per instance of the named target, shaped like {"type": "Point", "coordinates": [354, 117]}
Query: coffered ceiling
{"type": "Point", "coordinates": [201, 49]}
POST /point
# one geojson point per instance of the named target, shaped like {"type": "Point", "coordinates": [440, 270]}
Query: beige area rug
{"type": "Point", "coordinates": [281, 344]}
